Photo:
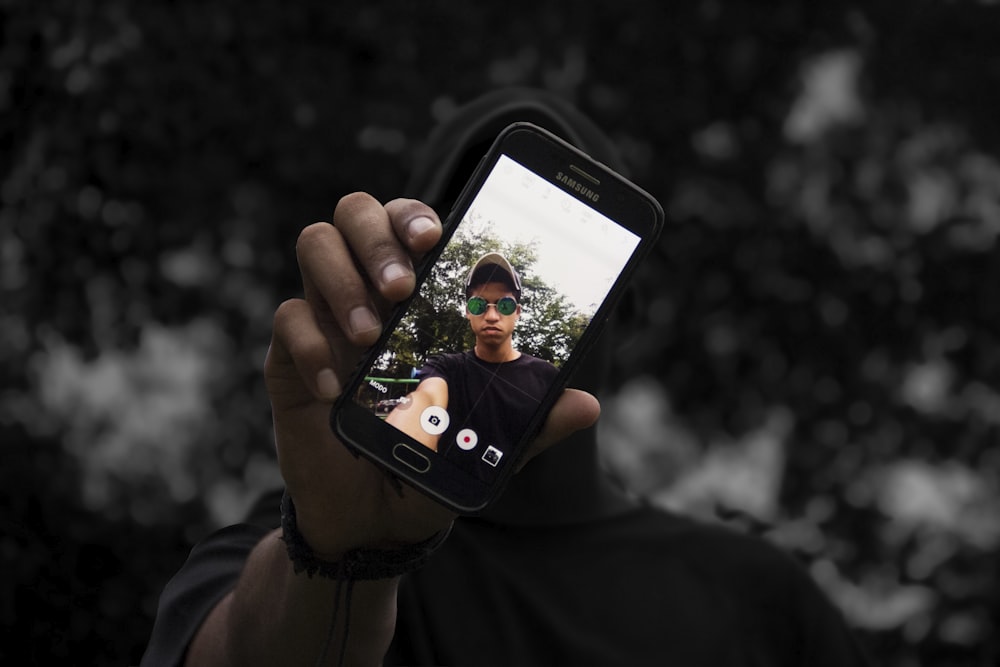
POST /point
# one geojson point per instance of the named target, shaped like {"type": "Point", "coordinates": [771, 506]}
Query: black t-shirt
{"type": "Point", "coordinates": [494, 401]}
{"type": "Point", "coordinates": [647, 587]}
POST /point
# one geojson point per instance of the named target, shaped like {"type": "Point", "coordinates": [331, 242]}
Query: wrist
{"type": "Point", "coordinates": [355, 564]}
{"type": "Point", "coordinates": [315, 529]}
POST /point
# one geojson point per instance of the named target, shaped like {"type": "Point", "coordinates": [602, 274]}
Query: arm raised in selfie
{"type": "Point", "coordinates": [353, 270]}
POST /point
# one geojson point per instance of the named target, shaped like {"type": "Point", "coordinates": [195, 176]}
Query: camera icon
{"type": "Point", "coordinates": [434, 420]}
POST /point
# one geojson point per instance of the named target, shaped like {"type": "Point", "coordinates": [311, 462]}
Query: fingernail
{"type": "Point", "coordinates": [418, 226]}
{"type": "Point", "coordinates": [363, 320]}
{"type": "Point", "coordinates": [327, 384]}
{"type": "Point", "coordinates": [394, 272]}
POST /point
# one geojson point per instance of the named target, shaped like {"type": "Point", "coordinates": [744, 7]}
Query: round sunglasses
{"type": "Point", "coordinates": [477, 305]}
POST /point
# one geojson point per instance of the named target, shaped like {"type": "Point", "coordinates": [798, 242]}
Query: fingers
{"type": "Point", "coordinates": [415, 223]}
{"type": "Point", "coordinates": [366, 228]}
{"type": "Point", "coordinates": [362, 260]}
{"type": "Point", "coordinates": [299, 365]}
{"type": "Point", "coordinates": [384, 239]}
{"type": "Point", "coordinates": [574, 411]}
{"type": "Point", "coordinates": [334, 288]}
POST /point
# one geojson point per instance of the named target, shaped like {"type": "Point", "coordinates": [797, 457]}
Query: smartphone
{"type": "Point", "coordinates": [534, 253]}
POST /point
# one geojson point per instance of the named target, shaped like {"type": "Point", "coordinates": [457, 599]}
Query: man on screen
{"type": "Point", "coordinates": [478, 402]}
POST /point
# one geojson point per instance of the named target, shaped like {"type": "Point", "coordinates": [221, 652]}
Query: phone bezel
{"type": "Point", "coordinates": [619, 199]}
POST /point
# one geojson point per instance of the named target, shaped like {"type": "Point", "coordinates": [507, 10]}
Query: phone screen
{"type": "Point", "coordinates": [467, 368]}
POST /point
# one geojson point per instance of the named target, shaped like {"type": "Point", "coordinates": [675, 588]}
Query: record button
{"type": "Point", "coordinates": [467, 439]}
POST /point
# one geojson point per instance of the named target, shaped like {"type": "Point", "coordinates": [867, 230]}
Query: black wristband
{"type": "Point", "coordinates": [357, 564]}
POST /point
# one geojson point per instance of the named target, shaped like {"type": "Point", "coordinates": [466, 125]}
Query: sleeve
{"type": "Point", "coordinates": [435, 367]}
{"type": "Point", "coordinates": [210, 572]}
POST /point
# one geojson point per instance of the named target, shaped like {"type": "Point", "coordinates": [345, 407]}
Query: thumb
{"type": "Point", "coordinates": [575, 410]}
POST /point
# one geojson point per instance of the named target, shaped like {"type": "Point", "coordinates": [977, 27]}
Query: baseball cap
{"type": "Point", "coordinates": [498, 262]}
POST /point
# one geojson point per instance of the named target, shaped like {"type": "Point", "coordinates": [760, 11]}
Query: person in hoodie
{"type": "Point", "coordinates": [345, 566]}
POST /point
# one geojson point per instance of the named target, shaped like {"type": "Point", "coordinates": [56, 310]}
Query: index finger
{"type": "Point", "coordinates": [416, 224]}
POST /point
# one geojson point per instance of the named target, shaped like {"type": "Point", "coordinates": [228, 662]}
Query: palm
{"type": "Point", "coordinates": [324, 476]}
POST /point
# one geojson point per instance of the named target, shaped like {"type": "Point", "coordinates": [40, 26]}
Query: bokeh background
{"type": "Point", "coordinates": [814, 353]}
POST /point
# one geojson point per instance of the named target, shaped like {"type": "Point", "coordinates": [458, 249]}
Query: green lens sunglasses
{"type": "Point", "coordinates": [477, 305]}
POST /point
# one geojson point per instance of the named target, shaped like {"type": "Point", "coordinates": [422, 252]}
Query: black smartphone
{"type": "Point", "coordinates": [534, 253]}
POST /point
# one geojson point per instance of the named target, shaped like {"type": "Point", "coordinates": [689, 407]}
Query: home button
{"type": "Point", "coordinates": [411, 457]}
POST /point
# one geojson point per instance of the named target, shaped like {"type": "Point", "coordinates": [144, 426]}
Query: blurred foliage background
{"type": "Point", "coordinates": [815, 350]}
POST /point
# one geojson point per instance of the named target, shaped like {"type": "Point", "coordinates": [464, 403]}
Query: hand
{"type": "Point", "coordinates": [345, 502]}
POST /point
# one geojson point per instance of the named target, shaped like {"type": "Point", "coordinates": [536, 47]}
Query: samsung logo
{"type": "Point", "coordinates": [577, 186]}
